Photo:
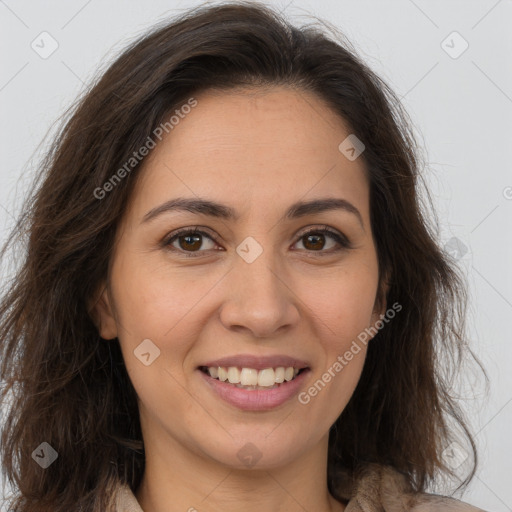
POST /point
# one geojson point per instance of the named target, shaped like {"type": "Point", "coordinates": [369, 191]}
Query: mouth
{"type": "Point", "coordinates": [252, 379]}
{"type": "Point", "coordinates": [253, 382]}
{"type": "Point", "coordinates": [248, 394]}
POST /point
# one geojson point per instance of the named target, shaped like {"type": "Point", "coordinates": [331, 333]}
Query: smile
{"type": "Point", "coordinates": [253, 397]}
{"type": "Point", "coordinates": [251, 378]}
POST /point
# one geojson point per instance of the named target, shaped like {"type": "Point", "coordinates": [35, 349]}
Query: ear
{"type": "Point", "coordinates": [101, 313]}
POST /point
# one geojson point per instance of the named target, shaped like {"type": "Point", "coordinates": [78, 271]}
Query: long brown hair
{"type": "Point", "coordinates": [69, 388]}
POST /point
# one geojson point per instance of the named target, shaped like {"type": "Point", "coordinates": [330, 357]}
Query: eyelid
{"type": "Point", "coordinates": [344, 243]}
{"type": "Point", "coordinates": [323, 228]}
{"type": "Point", "coordinates": [339, 237]}
{"type": "Point", "coordinates": [173, 235]}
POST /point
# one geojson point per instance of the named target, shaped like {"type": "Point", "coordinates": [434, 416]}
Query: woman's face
{"type": "Point", "coordinates": [251, 291]}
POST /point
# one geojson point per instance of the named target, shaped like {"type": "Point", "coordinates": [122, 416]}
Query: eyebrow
{"type": "Point", "coordinates": [221, 211]}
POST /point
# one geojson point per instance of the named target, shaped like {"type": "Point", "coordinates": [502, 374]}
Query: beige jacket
{"type": "Point", "coordinates": [380, 489]}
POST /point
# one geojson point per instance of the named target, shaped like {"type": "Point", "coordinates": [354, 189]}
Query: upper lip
{"type": "Point", "coordinates": [257, 362]}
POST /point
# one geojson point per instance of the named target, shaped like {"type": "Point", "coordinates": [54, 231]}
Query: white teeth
{"type": "Point", "coordinates": [248, 377]}
{"type": "Point", "coordinates": [223, 374]}
{"type": "Point", "coordinates": [233, 375]}
{"type": "Point", "coordinates": [268, 377]}
{"type": "Point", "coordinates": [288, 373]}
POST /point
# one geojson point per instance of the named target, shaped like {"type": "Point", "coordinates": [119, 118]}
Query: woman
{"type": "Point", "coordinates": [230, 296]}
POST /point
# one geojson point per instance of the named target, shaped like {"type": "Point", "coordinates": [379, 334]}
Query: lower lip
{"type": "Point", "coordinates": [255, 399]}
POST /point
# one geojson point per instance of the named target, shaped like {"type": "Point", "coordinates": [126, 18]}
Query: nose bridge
{"type": "Point", "coordinates": [257, 265]}
{"type": "Point", "coordinates": [257, 297]}
{"type": "Point", "coordinates": [257, 271]}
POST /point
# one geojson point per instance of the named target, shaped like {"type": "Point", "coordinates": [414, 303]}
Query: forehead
{"type": "Point", "coordinates": [246, 147]}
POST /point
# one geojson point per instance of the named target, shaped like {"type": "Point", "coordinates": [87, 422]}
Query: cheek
{"type": "Point", "coordinates": [152, 299]}
{"type": "Point", "coordinates": [343, 303]}
{"type": "Point", "coordinates": [161, 307]}
{"type": "Point", "coordinates": [162, 304]}
{"type": "Point", "coordinates": [341, 307]}
{"type": "Point", "coordinates": [342, 311]}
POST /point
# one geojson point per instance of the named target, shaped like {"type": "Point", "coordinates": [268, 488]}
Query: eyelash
{"type": "Point", "coordinates": [342, 240]}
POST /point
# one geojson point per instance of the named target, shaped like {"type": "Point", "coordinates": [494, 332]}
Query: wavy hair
{"type": "Point", "coordinates": [68, 387]}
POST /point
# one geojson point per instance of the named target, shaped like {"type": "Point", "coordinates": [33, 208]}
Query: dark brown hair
{"type": "Point", "coordinates": [70, 388]}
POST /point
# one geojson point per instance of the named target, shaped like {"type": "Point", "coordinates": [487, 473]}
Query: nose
{"type": "Point", "coordinates": [259, 298]}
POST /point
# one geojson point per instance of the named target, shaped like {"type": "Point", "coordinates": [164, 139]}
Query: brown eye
{"type": "Point", "coordinates": [189, 241]}
{"type": "Point", "coordinates": [314, 240]}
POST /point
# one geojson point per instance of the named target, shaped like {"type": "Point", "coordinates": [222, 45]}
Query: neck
{"type": "Point", "coordinates": [175, 477]}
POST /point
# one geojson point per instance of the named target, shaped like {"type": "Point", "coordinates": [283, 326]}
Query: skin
{"type": "Point", "coordinates": [257, 151]}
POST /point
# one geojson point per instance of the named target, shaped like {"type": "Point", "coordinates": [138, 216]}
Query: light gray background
{"type": "Point", "coordinates": [461, 108]}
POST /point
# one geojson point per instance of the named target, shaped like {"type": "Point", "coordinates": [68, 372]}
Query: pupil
{"type": "Point", "coordinates": [187, 239]}
{"type": "Point", "coordinates": [317, 244]}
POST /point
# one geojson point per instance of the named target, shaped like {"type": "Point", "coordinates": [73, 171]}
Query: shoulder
{"type": "Point", "coordinates": [435, 503]}
{"type": "Point", "coordinates": [125, 499]}
{"type": "Point", "coordinates": [396, 495]}
{"type": "Point", "coordinates": [381, 488]}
